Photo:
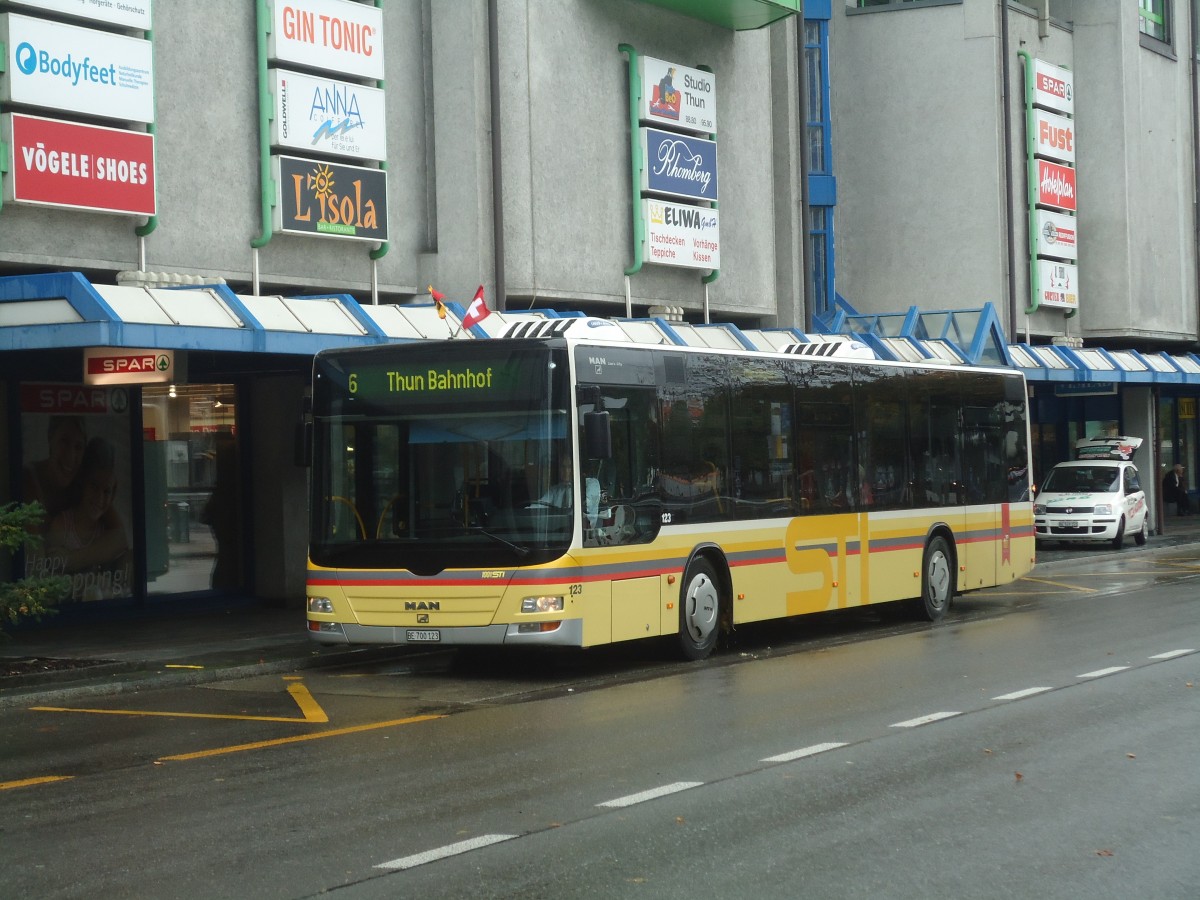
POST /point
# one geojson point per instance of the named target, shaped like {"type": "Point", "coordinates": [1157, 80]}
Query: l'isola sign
{"type": "Point", "coordinates": [331, 200]}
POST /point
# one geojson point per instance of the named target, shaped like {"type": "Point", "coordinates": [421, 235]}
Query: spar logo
{"type": "Point", "coordinates": [32, 61]}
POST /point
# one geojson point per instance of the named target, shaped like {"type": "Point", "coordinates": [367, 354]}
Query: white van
{"type": "Point", "coordinates": [1095, 497]}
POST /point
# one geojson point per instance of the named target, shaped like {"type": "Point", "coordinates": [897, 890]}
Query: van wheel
{"type": "Point", "coordinates": [1119, 540]}
{"type": "Point", "coordinates": [937, 581]}
{"type": "Point", "coordinates": [699, 610]}
{"type": "Point", "coordinates": [1141, 537]}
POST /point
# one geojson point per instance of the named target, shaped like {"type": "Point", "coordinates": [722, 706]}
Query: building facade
{"type": "Point", "coordinates": [948, 159]}
{"type": "Point", "coordinates": [201, 195]}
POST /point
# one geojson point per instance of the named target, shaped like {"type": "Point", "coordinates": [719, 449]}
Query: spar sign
{"type": "Point", "coordinates": [107, 365]}
{"type": "Point", "coordinates": [86, 167]}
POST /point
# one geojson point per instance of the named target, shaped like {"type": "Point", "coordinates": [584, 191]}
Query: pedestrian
{"type": "Point", "coordinates": [1174, 488]}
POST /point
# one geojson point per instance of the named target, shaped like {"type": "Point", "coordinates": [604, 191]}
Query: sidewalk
{"type": "Point", "coordinates": [171, 646]}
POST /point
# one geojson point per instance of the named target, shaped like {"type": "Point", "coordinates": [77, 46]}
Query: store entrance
{"type": "Point", "coordinates": [192, 488]}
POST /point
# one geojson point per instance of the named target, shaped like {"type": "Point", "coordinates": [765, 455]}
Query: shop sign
{"type": "Point", "coordinates": [1056, 235]}
{"type": "Point", "coordinates": [108, 365]}
{"type": "Point", "coordinates": [1085, 388]}
{"type": "Point", "coordinates": [678, 166]}
{"type": "Point", "coordinates": [681, 235]}
{"type": "Point", "coordinates": [677, 97]}
{"type": "Point", "coordinates": [330, 200]}
{"type": "Point", "coordinates": [1058, 284]}
{"type": "Point", "coordinates": [83, 70]}
{"type": "Point", "coordinates": [320, 115]}
{"type": "Point", "coordinates": [1053, 87]}
{"type": "Point", "coordinates": [87, 167]}
{"type": "Point", "coordinates": [126, 13]}
{"type": "Point", "coordinates": [1056, 185]}
{"type": "Point", "coordinates": [1054, 136]}
{"type": "Point", "coordinates": [334, 35]}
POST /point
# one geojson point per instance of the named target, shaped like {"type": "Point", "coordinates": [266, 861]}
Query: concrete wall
{"type": "Point", "coordinates": [564, 124]}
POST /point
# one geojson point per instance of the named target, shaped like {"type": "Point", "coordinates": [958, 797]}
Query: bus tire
{"type": "Point", "coordinates": [699, 610]}
{"type": "Point", "coordinates": [937, 581]}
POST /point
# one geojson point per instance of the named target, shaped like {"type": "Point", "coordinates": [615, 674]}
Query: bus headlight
{"type": "Point", "coordinates": [542, 604]}
{"type": "Point", "coordinates": [320, 605]}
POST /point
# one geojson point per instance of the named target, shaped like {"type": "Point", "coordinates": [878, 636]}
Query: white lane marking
{"type": "Point", "coordinates": [1171, 654]}
{"type": "Point", "coordinates": [1028, 692]}
{"type": "Point", "coordinates": [419, 859]}
{"type": "Point", "coordinates": [800, 754]}
{"type": "Point", "coordinates": [924, 720]}
{"type": "Point", "coordinates": [631, 799]}
{"type": "Point", "coordinates": [1099, 672]}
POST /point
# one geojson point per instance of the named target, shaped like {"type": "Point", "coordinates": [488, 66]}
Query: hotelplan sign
{"type": "Point", "coordinates": [80, 70]}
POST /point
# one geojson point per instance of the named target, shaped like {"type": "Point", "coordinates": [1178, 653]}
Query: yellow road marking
{"type": "Point", "coordinates": [311, 710]}
{"type": "Point", "coordinates": [180, 666]}
{"type": "Point", "coordinates": [30, 782]}
{"type": "Point", "coordinates": [1069, 587]}
{"type": "Point", "coordinates": [279, 742]}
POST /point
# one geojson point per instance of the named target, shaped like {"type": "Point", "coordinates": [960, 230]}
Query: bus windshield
{"type": "Point", "coordinates": [430, 460]}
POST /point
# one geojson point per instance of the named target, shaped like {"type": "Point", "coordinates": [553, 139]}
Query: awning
{"type": "Point", "coordinates": [64, 309]}
{"type": "Point", "coordinates": [738, 15]}
{"type": "Point", "coordinates": [1091, 365]}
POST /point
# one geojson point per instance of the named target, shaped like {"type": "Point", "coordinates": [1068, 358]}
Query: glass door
{"type": "Point", "coordinates": [193, 488]}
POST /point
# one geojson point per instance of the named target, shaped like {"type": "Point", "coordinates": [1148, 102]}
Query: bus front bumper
{"type": "Point", "coordinates": [569, 633]}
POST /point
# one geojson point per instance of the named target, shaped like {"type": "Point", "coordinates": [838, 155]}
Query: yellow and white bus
{"type": "Point", "coordinates": [711, 488]}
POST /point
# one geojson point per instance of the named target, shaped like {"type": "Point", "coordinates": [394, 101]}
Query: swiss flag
{"type": "Point", "coordinates": [477, 311]}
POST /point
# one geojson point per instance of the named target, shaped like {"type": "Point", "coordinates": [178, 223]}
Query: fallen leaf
{"type": "Point", "coordinates": [1131, 755]}
{"type": "Point", "coordinates": [1104, 853]}
{"type": "Point", "coordinates": [679, 820]}
{"type": "Point", "coordinates": [986, 750]}
{"type": "Point", "coordinates": [1019, 776]}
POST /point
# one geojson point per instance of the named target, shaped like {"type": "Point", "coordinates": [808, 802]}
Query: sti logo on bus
{"type": "Point", "coordinates": [421, 604]}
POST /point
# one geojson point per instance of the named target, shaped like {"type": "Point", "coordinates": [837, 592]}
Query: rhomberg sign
{"type": "Point", "coordinates": [79, 166]}
{"type": "Point", "coordinates": [330, 200]}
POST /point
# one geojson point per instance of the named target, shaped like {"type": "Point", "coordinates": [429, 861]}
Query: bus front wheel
{"type": "Point", "coordinates": [937, 581]}
{"type": "Point", "coordinates": [699, 610]}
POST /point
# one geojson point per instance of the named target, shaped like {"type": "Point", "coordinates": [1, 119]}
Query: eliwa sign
{"type": "Point", "coordinates": [80, 70]}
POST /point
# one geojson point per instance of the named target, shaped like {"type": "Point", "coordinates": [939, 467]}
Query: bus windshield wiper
{"type": "Point", "coordinates": [518, 549]}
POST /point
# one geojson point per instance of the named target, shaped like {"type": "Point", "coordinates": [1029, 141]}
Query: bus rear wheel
{"type": "Point", "coordinates": [937, 581]}
{"type": "Point", "coordinates": [699, 610]}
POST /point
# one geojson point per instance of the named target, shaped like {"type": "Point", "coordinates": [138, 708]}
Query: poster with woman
{"type": "Point", "coordinates": [76, 463]}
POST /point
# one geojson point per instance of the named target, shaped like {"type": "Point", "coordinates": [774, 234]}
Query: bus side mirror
{"type": "Point", "coordinates": [597, 435]}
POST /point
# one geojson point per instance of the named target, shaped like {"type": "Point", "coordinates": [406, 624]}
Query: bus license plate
{"type": "Point", "coordinates": [414, 636]}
